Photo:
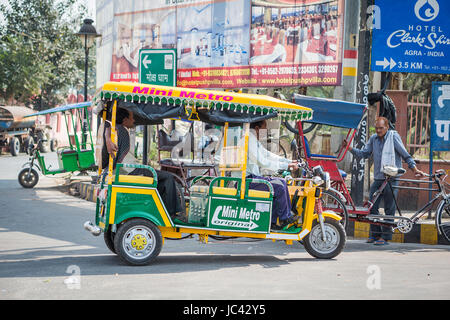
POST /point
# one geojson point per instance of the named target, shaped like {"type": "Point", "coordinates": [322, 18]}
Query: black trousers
{"type": "Point", "coordinates": [167, 189]}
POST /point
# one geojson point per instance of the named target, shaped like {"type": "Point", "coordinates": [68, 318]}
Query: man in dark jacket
{"type": "Point", "coordinates": [166, 182]}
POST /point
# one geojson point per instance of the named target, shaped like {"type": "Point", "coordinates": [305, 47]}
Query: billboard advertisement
{"type": "Point", "coordinates": [228, 43]}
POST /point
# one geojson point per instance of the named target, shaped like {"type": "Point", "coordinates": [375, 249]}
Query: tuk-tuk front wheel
{"type": "Point", "coordinates": [28, 178]}
{"type": "Point", "coordinates": [138, 241]}
{"type": "Point", "coordinates": [329, 247]}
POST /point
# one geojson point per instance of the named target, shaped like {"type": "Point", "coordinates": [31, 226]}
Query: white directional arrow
{"type": "Point", "coordinates": [250, 225]}
{"type": "Point", "coordinates": [386, 63]}
{"type": "Point", "coordinates": [146, 62]}
{"type": "Point", "coordinates": [392, 64]}
{"type": "Point", "coordinates": [383, 63]}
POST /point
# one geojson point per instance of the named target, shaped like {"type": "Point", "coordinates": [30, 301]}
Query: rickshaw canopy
{"type": "Point", "coordinates": [61, 109]}
{"type": "Point", "coordinates": [333, 112]}
{"type": "Point", "coordinates": [151, 104]}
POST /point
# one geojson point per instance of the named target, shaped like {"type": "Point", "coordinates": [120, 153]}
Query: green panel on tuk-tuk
{"type": "Point", "coordinates": [86, 159]}
{"type": "Point", "coordinates": [69, 160]}
{"type": "Point", "coordinates": [134, 205]}
{"type": "Point", "coordinates": [243, 215]}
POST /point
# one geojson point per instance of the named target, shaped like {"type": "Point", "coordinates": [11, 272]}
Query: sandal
{"type": "Point", "coordinates": [371, 240]}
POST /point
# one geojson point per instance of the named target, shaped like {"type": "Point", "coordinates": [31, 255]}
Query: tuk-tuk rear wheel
{"type": "Point", "coordinates": [333, 244]}
{"type": "Point", "coordinates": [138, 241]}
{"type": "Point", "coordinates": [108, 236]}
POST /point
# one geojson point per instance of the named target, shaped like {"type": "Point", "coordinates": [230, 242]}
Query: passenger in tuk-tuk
{"type": "Point", "coordinates": [166, 182]}
{"type": "Point", "coordinates": [259, 158]}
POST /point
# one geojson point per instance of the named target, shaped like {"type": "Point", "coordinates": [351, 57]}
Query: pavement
{"type": "Point", "coordinates": [46, 254]}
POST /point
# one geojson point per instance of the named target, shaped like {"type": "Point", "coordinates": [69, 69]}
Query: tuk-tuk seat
{"type": "Point", "coordinates": [258, 194]}
{"type": "Point", "coordinates": [199, 189]}
{"type": "Point", "coordinates": [135, 179]}
{"type": "Point", "coordinates": [225, 191]}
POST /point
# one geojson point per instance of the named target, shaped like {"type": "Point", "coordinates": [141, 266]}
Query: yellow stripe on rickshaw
{"type": "Point", "coordinates": [152, 192]}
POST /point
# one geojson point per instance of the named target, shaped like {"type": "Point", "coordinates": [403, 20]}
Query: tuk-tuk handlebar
{"type": "Point", "coordinates": [137, 166]}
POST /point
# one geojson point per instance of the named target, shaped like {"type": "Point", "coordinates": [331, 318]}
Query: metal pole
{"type": "Point", "coordinates": [358, 165]}
{"type": "Point", "coordinates": [86, 64]}
{"type": "Point", "coordinates": [145, 146]}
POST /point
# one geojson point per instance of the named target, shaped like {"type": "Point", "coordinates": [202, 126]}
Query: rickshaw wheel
{"type": "Point", "coordinates": [28, 181]}
{"type": "Point", "coordinates": [108, 236]}
{"type": "Point", "coordinates": [333, 244]}
{"type": "Point", "coordinates": [138, 241]}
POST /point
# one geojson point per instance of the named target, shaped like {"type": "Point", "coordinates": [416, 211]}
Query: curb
{"type": "Point", "coordinates": [86, 191]}
{"type": "Point", "coordinates": [424, 233]}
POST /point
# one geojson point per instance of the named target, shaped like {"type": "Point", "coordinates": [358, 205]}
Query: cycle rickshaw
{"type": "Point", "coordinates": [337, 198]}
{"type": "Point", "coordinates": [78, 156]}
{"type": "Point", "coordinates": [132, 216]}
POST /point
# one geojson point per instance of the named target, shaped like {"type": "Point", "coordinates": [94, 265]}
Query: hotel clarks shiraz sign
{"type": "Point", "coordinates": [412, 36]}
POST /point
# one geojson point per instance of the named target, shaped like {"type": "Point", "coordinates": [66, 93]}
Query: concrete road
{"type": "Point", "coordinates": [46, 254]}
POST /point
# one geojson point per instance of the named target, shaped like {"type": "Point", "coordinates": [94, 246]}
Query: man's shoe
{"type": "Point", "coordinates": [274, 226]}
{"type": "Point", "coordinates": [381, 242]}
{"type": "Point", "coordinates": [371, 240]}
{"type": "Point", "coordinates": [288, 221]}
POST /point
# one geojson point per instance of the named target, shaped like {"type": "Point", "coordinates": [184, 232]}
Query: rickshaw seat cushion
{"type": "Point", "coordinates": [67, 151]}
{"type": "Point", "coordinates": [258, 194]}
{"type": "Point", "coordinates": [135, 179]}
{"type": "Point", "coordinates": [343, 173]}
{"type": "Point", "coordinates": [225, 191]}
{"type": "Point", "coordinates": [322, 156]}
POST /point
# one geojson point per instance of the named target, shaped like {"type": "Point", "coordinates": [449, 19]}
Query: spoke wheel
{"type": "Point", "coordinates": [28, 178]}
{"type": "Point", "coordinates": [138, 241]}
{"type": "Point", "coordinates": [443, 219]}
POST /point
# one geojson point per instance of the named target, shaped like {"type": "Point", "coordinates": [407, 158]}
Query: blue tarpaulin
{"type": "Point", "coordinates": [332, 112]}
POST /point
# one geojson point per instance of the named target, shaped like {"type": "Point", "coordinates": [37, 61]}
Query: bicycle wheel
{"type": "Point", "coordinates": [443, 219]}
{"type": "Point", "coordinates": [331, 201]}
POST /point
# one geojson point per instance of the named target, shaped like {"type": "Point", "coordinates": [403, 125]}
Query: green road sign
{"type": "Point", "coordinates": [158, 66]}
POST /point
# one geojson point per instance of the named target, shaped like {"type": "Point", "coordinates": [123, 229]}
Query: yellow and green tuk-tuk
{"type": "Point", "coordinates": [78, 156]}
{"type": "Point", "coordinates": [132, 215]}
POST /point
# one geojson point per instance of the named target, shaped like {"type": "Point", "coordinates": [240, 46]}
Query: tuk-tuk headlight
{"type": "Point", "coordinates": [317, 181]}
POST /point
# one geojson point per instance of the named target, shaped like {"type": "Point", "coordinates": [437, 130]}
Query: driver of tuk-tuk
{"type": "Point", "coordinates": [259, 159]}
{"type": "Point", "coordinates": [166, 182]}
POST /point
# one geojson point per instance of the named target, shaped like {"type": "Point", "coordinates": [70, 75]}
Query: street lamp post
{"type": "Point", "coordinates": [87, 35]}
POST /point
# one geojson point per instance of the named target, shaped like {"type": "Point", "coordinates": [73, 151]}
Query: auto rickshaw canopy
{"type": "Point", "coordinates": [151, 104]}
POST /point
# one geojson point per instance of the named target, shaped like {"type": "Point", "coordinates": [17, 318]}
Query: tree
{"type": "Point", "coordinates": [41, 58]}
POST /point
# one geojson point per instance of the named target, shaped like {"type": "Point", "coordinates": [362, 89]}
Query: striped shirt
{"type": "Point", "coordinates": [123, 145]}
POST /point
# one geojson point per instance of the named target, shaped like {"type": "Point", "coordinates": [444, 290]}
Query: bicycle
{"type": "Point", "coordinates": [404, 224]}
